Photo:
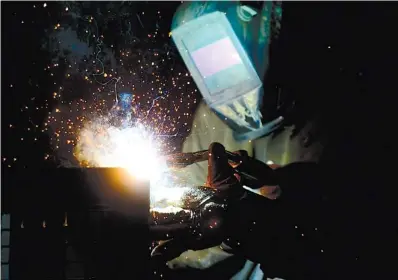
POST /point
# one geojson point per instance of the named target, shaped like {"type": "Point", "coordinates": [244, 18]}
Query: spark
{"type": "Point", "coordinates": [132, 147]}
{"type": "Point", "coordinates": [87, 90]}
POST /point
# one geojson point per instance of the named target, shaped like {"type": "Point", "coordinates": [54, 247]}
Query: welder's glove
{"type": "Point", "coordinates": [264, 174]}
{"type": "Point", "coordinates": [221, 175]}
{"type": "Point", "coordinates": [227, 178]}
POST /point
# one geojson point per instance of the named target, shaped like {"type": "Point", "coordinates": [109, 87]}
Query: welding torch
{"type": "Point", "coordinates": [253, 172]}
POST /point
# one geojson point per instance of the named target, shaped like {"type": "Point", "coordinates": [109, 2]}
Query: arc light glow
{"type": "Point", "coordinates": [132, 147]}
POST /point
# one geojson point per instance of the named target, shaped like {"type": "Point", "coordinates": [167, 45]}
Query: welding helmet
{"type": "Point", "coordinates": [225, 46]}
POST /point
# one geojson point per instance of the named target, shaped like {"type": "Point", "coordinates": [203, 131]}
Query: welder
{"type": "Point", "coordinates": [257, 226]}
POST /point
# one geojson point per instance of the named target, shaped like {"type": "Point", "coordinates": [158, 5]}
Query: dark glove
{"type": "Point", "coordinates": [221, 175]}
{"type": "Point", "coordinates": [260, 173]}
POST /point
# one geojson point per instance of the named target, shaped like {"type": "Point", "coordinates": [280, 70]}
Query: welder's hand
{"type": "Point", "coordinates": [221, 175]}
{"type": "Point", "coordinates": [264, 177]}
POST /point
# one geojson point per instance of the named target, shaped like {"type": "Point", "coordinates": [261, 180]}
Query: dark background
{"type": "Point", "coordinates": [336, 60]}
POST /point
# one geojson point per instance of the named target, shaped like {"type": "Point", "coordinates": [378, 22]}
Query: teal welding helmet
{"type": "Point", "coordinates": [225, 46]}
